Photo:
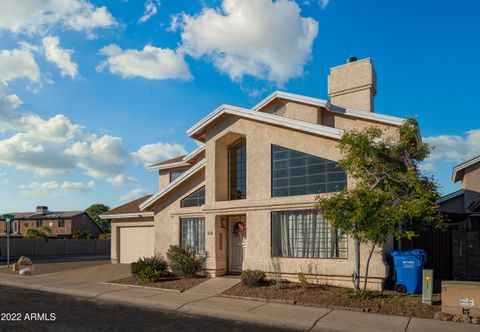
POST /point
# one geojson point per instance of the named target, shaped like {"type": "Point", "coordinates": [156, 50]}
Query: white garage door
{"type": "Point", "coordinates": [136, 242]}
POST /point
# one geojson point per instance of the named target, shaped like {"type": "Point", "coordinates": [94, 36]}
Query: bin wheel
{"type": "Point", "coordinates": [400, 288]}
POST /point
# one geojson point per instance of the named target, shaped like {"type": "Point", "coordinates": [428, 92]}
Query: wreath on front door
{"type": "Point", "coordinates": [239, 229]}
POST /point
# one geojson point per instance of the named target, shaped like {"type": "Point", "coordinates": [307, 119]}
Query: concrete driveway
{"type": "Point", "coordinates": [97, 273]}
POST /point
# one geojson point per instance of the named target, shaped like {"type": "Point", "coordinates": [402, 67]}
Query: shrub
{"type": "Point", "coordinates": [77, 235]}
{"type": "Point", "coordinates": [148, 266]}
{"type": "Point", "coordinates": [149, 273]}
{"type": "Point", "coordinates": [302, 280]}
{"type": "Point", "coordinates": [253, 278]}
{"type": "Point", "coordinates": [42, 233]}
{"type": "Point", "coordinates": [104, 236]}
{"type": "Point", "coordinates": [183, 262]}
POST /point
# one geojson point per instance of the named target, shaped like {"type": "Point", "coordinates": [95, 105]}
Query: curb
{"type": "Point", "coordinates": [144, 287]}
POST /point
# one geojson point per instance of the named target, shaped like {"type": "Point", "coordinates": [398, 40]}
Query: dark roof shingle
{"type": "Point", "coordinates": [130, 207]}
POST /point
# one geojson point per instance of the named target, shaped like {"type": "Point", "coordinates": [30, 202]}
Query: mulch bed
{"type": "Point", "coordinates": [387, 302]}
{"type": "Point", "coordinates": [181, 284]}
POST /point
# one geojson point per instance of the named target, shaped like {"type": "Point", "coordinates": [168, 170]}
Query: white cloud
{"type": "Point", "coordinates": [40, 16]}
{"type": "Point", "coordinates": [8, 103]}
{"type": "Point", "coordinates": [264, 39]}
{"type": "Point", "coordinates": [59, 56]}
{"type": "Point", "coordinates": [151, 63]}
{"type": "Point", "coordinates": [121, 180]}
{"type": "Point", "coordinates": [18, 63]}
{"type": "Point", "coordinates": [135, 193]}
{"type": "Point", "coordinates": [324, 3]}
{"type": "Point", "coordinates": [100, 156]}
{"type": "Point", "coordinates": [54, 187]}
{"type": "Point", "coordinates": [150, 9]}
{"type": "Point", "coordinates": [152, 153]}
{"type": "Point", "coordinates": [454, 148]}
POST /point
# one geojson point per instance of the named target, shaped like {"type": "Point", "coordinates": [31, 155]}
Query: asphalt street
{"type": "Point", "coordinates": [29, 310]}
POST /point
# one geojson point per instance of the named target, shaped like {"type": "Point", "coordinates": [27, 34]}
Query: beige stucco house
{"type": "Point", "coordinates": [245, 196]}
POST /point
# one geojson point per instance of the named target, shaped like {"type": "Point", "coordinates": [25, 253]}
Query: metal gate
{"type": "Point", "coordinates": [466, 255]}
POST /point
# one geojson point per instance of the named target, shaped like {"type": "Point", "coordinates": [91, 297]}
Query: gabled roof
{"type": "Point", "coordinates": [128, 210]}
{"type": "Point", "coordinates": [180, 161]}
{"type": "Point", "coordinates": [49, 215]}
{"type": "Point", "coordinates": [198, 166]}
{"type": "Point", "coordinates": [292, 97]}
{"type": "Point", "coordinates": [265, 118]}
{"type": "Point", "coordinates": [450, 196]}
{"type": "Point", "coordinates": [459, 170]}
{"type": "Point", "coordinates": [383, 118]}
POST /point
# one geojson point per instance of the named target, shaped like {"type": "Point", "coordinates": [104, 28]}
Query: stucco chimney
{"type": "Point", "coordinates": [353, 85]}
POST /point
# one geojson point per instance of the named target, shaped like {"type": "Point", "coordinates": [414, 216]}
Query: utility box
{"type": "Point", "coordinates": [461, 297]}
{"type": "Point", "coordinates": [427, 286]}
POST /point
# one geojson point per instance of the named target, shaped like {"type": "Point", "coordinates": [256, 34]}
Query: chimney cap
{"type": "Point", "coordinates": [351, 59]}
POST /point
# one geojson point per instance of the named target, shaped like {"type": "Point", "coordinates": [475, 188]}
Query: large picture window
{"type": "Point", "coordinates": [237, 161]}
{"type": "Point", "coordinates": [305, 234]}
{"type": "Point", "coordinates": [197, 198]}
{"type": "Point", "coordinates": [297, 173]}
{"type": "Point", "coordinates": [192, 234]}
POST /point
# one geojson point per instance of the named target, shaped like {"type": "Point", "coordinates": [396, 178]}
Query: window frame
{"type": "Point", "coordinates": [341, 240]}
{"type": "Point", "coordinates": [61, 223]}
{"type": "Point", "coordinates": [200, 199]}
{"type": "Point", "coordinates": [177, 171]}
{"type": "Point", "coordinates": [242, 170]}
{"type": "Point", "coordinates": [38, 223]}
{"type": "Point", "coordinates": [311, 161]}
{"type": "Point", "coordinates": [200, 233]}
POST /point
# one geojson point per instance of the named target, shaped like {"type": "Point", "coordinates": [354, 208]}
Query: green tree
{"type": "Point", "coordinates": [97, 209]}
{"type": "Point", "coordinates": [391, 197]}
{"type": "Point", "coordinates": [79, 235]}
{"type": "Point", "coordinates": [42, 233]}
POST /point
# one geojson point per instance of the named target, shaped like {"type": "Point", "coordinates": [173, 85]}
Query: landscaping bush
{"type": "Point", "coordinates": [78, 235]}
{"type": "Point", "coordinates": [104, 236]}
{"type": "Point", "coordinates": [150, 274]}
{"type": "Point", "coordinates": [149, 264]}
{"type": "Point", "coordinates": [183, 262]}
{"type": "Point", "coordinates": [253, 278]}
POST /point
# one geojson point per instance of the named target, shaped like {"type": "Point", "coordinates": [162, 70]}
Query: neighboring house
{"type": "Point", "coordinates": [62, 223]}
{"type": "Point", "coordinates": [460, 245]}
{"type": "Point", "coordinates": [245, 198]}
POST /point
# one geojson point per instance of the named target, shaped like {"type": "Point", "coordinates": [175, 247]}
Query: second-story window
{"type": "Point", "coordinates": [175, 174]}
{"type": "Point", "coordinates": [61, 223]}
{"type": "Point", "coordinates": [197, 198]}
{"type": "Point", "coordinates": [39, 223]}
{"type": "Point", "coordinates": [237, 166]}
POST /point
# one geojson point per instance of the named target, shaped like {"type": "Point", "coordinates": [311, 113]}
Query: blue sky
{"type": "Point", "coordinates": [79, 78]}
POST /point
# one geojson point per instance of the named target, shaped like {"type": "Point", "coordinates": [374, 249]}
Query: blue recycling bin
{"type": "Point", "coordinates": [408, 267]}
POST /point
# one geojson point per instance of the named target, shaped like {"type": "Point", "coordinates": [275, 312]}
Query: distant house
{"type": "Point", "coordinates": [62, 223]}
{"type": "Point", "coordinates": [462, 209]}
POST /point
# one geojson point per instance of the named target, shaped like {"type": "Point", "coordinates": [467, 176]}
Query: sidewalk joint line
{"type": "Point", "coordinates": [408, 323]}
{"type": "Point", "coordinates": [316, 321]}
{"type": "Point", "coordinates": [180, 307]}
{"type": "Point", "coordinates": [258, 306]}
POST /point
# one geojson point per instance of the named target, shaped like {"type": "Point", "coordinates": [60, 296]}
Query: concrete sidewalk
{"type": "Point", "coordinates": [205, 300]}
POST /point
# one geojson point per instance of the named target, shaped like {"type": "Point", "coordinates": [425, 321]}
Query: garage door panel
{"type": "Point", "coordinates": [136, 242]}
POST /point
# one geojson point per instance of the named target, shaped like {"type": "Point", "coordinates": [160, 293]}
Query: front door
{"type": "Point", "coordinates": [238, 242]}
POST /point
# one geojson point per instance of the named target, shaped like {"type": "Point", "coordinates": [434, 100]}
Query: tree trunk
{"type": "Point", "coordinates": [367, 267]}
{"type": "Point", "coordinates": [356, 272]}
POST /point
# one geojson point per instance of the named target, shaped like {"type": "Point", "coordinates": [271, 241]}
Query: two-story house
{"type": "Point", "coordinates": [61, 223]}
{"type": "Point", "coordinates": [245, 198]}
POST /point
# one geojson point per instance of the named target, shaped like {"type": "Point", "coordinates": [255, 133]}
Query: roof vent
{"type": "Point", "coordinates": [42, 210]}
{"type": "Point", "coordinates": [352, 59]}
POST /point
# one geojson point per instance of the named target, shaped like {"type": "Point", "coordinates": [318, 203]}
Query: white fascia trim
{"type": "Point", "coordinates": [464, 165]}
{"type": "Point", "coordinates": [450, 196]}
{"type": "Point", "coordinates": [167, 166]}
{"type": "Point", "coordinates": [368, 115]}
{"type": "Point", "coordinates": [172, 184]}
{"type": "Point", "coordinates": [293, 97]}
{"type": "Point", "coordinates": [267, 118]}
{"type": "Point", "coordinates": [194, 153]}
{"type": "Point", "coordinates": [127, 215]}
